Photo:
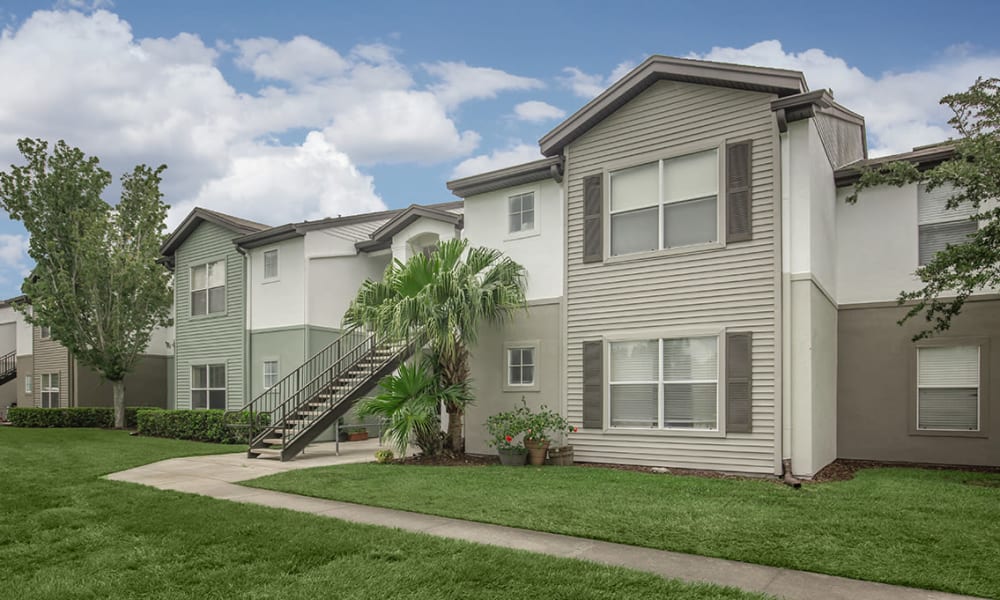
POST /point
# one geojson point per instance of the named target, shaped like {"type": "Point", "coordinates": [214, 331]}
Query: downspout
{"type": "Point", "coordinates": [247, 323]}
{"type": "Point", "coordinates": [783, 407]}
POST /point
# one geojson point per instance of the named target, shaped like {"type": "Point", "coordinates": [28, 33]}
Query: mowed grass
{"type": "Point", "coordinates": [66, 534]}
{"type": "Point", "coordinates": [929, 529]}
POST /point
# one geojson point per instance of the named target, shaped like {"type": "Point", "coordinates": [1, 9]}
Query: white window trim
{"type": "Point", "coordinates": [659, 335]}
{"type": "Point", "coordinates": [208, 382]}
{"type": "Point", "coordinates": [225, 286]}
{"type": "Point", "coordinates": [263, 371]}
{"type": "Point", "coordinates": [979, 394]}
{"type": "Point", "coordinates": [507, 386]}
{"type": "Point", "coordinates": [29, 384]}
{"type": "Point", "coordinates": [277, 266]}
{"type": "Point", "coordinates": [719, 145]}
{"type": "Point", "coordinates": [46, 388]}
{"type": "Point", "coordinates": [520, 235]}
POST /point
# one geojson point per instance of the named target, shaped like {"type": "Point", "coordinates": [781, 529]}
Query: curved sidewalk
{"type": "Point", "coordinates": [216, 475]}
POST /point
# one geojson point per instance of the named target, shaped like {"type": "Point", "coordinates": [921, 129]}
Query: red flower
{"type": "Point", "coordinates": [575, 430]}
{"type": "Point", "coordinates": [508, 438]}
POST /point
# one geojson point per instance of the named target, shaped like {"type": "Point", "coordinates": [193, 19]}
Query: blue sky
{"type": "Point", "coordinates": [284, 111]}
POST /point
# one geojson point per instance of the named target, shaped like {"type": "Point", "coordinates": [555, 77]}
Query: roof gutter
{"type": "Point", "coordinates": [538, 170]}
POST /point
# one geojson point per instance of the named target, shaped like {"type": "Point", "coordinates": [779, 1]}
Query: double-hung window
{"type": "Point", "coordinates": [44, 332]}
{"type": "Point", "coordinates": [208, 288]}
{"type": "Point", "coordinates": [948, 388]}
{"type": "Point", "coordinates": [665, 204]}
{"type": "Point", "coordinates": [521, 366]}
{"type": "Point", "coordinates": [50, 390]}
{"type": "Point", "coordinates": [668, 383]}
{"type": "Point", "coordinates": [940, 226]}
{"type": "Point", "coordinates": [270, 373]}
{"type": "Point", "coordinates": [208, 386]}
{"type": "Point", "coordinates": [270, 265]}
{"type": "Point", "coordinates": [522, 212]}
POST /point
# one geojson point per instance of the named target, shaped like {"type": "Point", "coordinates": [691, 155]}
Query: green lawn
{"type": "Point", "coordinates": [928, 529]}
{"type": "Point", "coordinates": [66, 534]}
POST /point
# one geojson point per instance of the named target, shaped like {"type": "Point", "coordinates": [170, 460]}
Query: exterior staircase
{"type": "Point", "coordinates": [8, 367]}
{"type": "Point", "coordinates": [286, 418]}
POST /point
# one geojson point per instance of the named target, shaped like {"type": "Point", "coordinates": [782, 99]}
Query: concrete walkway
{"type": "Point", "coordinates": [216, 475]}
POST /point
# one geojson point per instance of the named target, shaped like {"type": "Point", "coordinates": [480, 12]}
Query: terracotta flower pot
{"type": "Point", "coordinates": [512, 457]}
{"type": "Point", "coordinates": [359, 436]}
{"type": "Point", "coordinates": [536, 451]}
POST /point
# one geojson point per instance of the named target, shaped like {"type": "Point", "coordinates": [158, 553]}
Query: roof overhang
{"type": "Point", "coordinates": [381, 238]}
{"type": "Point", "coordinates": [270, 236]}
{"type": "Point", "coordinates": [810, 104]}
{"type": "Point", "coordinates": [781, 82]}
{"type": "Point", "coordinates": [924, 157]}
{"type": "Point", "coordinates": [538, 170]}
{"type": "Point", "coordinates": [199, 215]}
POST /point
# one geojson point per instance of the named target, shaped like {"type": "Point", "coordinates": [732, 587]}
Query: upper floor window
{"type": "Point", "coordinates": [665, 383]}
{"type": "Point", "coordinates": [665, 204]}
{"type": "Point", "coordinates": [522, 212]}
{"type": "Point", "coordinates": [940, 226]}
{"type": "Point", "coordinates": [271, 265]}
{"type": "Point", "coordinates": [44, 332]}
{"type": "Point", "coordinates": [948, 388]}
{"type": "Point", "coordinates": [208, 288]}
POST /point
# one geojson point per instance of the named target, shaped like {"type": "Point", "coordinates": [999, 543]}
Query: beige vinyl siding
{"type": "Point", "coordinates": [731, 287]}
{"type": "Point", "coordinates": [50, 357]}
{"type": "Point", "coordinates": [215, 338]}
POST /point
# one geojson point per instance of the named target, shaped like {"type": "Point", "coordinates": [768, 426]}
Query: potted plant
{"type": "Point", "coordinates": [537, 429]}
{"type": "Point", "coordinates": [357, 434]}
{"type": "Point", "coordinates": [562, 456]}
{"type": "Point", "coordinates": [504, 428]}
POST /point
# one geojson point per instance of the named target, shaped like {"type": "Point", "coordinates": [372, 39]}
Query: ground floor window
{"type": "Point", "coordinates": [208, 387]}
{"type": "Point", "coordinates": [520, 366]}
{"type": "Point", "coordinates": [50, 390]}
{"type": "Point", "coordinates": [948, 388]}
{"type": "Point", "coordinates": [28, 383]}
{"type": "Point", "coordinates": [270, 373]}
{"type": "Point", "coordinates": [670, 383]}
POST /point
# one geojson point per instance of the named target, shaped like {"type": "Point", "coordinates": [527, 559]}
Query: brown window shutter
{"type": "Point", "coordinates": [739, 417]}
{"type": "Point", "coordinates": [738, 190]}
{"type": "Point", "coordinates": [593, 216]}
{"type": "Point", "coordinates": [593, 384]}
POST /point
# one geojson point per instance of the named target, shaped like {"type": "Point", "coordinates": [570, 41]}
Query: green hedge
{"type": "Point", "coordinates": [197, 425]}
{"type": "Point", "coordinates": [72, 417]}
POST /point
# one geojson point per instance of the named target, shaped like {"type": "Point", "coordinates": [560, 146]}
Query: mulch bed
{"type": "Point", "coordinates": [838, 470]}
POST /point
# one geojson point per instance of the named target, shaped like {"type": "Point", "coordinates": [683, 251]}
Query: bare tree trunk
{"type": "Point", "coordinates": [455, 439]}
{"type": "Point", "coordinates": [119, 394]}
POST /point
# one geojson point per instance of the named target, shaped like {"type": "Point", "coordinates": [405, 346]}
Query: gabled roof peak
{"type": "Point", "coordinates": [782, 82]}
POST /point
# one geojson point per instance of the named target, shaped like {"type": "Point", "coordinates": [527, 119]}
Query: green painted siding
{"type": "Point", "coordinates": [210, 339]}
{"type": "Point", "coordinates": [285, 345]}
{"type": "Point", "coordinates": [321, 337]}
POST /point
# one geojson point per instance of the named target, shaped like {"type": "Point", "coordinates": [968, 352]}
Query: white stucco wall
{"type": "Point", "coordinates": [161, 342]}
{"type": "Point", "coordinates": [401, 249]}
{"type": "Point", "coordinates": [541, 252]}
{"type": "Point", "coordinates": [279, 302]}
{"type": "Point", "coordinates": [876, 244]}
{"type": "Point", "coordinates": [25, 340]}
{"type": "Point", "coordinates": [334, 282]}
{"type": "Point", "coordinates": [810, 217]}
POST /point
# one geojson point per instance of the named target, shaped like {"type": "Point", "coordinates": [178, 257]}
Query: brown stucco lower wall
{"type": "Point", "coordinates": [538, 327]}
{"type": "Point", "coordinates": [25, 368]}
{"type": "Point", "coordinates": [145, 386]}
{"type": "Point", "coordinates": [876, 385]}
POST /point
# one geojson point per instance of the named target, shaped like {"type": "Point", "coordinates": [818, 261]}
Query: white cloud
{"type": "Point", "coordinates": [536, 111]}
{"type": "Point", "coordinates": [498, 159]}
{"type": "Point", "coordinates": [589, 85]}
{"type": "Point", "coordinates": [280, 183]}
{"type": "Point", "coordinates": [87, 79]}
{"type": "Point", "coordinates": [300, 60]}
{"type": "Point", "coordinates": [459, 82]}
{"type": "Point", "coordinates": [901, 110]}
{"type": "Point", "coordinates": [13, 251]}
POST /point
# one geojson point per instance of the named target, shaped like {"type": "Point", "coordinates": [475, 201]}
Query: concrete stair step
{"type": "Point", "coordinates": [273, 441]}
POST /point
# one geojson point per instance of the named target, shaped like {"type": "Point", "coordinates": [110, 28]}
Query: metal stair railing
{"type": "Point", "coordinates": [8, 365]}
{"type": "Point", "coordinates": [257, 413]}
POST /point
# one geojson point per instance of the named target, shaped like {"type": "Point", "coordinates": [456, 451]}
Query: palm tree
{"type": "Point", "coordinates": [449, 298]}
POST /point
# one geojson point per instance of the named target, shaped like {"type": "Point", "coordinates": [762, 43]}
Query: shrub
{"type": "Point", "coordinates": [383, 455]}
{"type": "Point", "coordinates": [196, 425]}
{"type": "Point", "coordinates": [98, 416]}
